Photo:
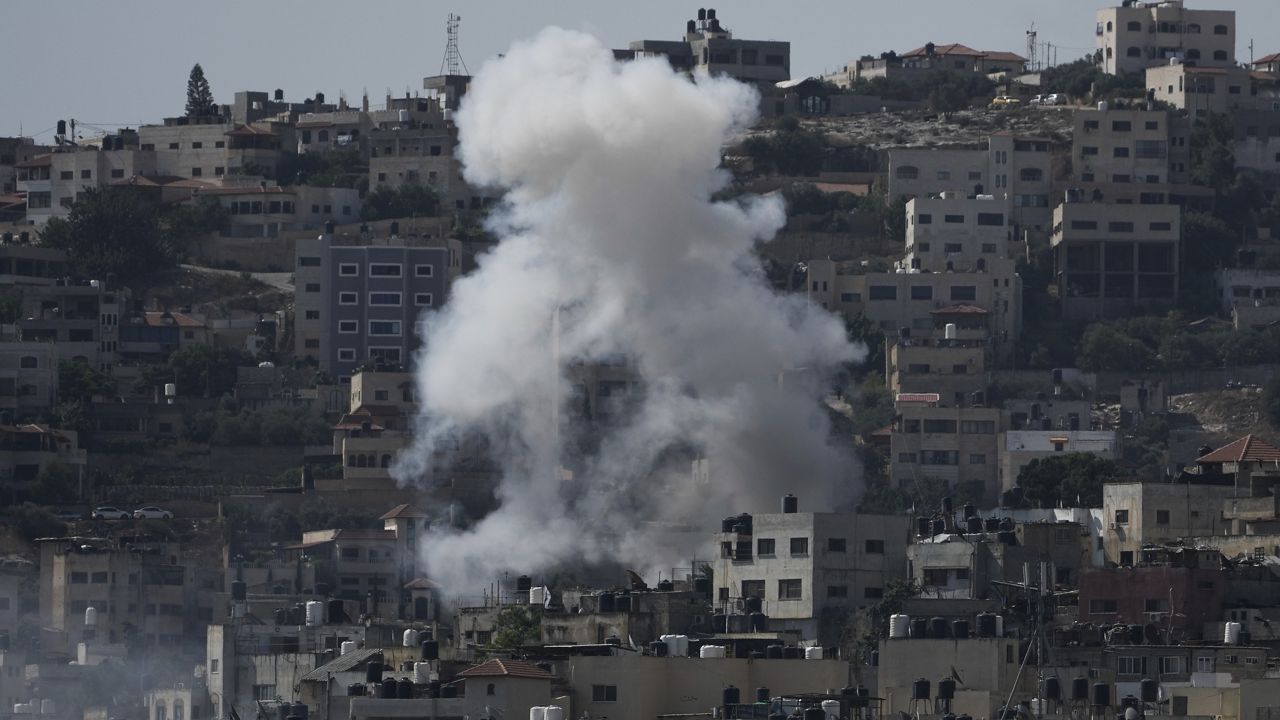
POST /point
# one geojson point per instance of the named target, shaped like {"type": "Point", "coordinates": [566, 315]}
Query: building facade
{"type": "Point", "coordinates": [1138, 35]}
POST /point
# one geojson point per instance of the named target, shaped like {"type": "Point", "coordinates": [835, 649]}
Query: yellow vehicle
{"type": "Point", "coordinates": [1005, 101]}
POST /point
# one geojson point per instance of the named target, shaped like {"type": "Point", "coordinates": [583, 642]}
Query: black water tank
{"type": "Point", "coordinates": [449, 691]}
{"type": "Point", "coordinates": [623, 603]}
{"type": "Point", "coordinates": [973, 525]}
{"type": "Point", "coordinates": [919, 627]}
{"type": "Point", "coordinates": [355, 689]}
{"type": "Point", "coordinates": [300, 710]}
{"type": "Point", "coordinates": [1101, 695]}
{"type": "Point", "coordinates": [790, 504]}
{"type": "Point", "coordinates": [728, 524]}
{"type": "Point", "coordinates": [923, 525]}
{"type": "Point", "coordinates": [430, 649]}
{"type": "Point", "coordinates": [1080, 688]}
{"type": "Point", "coordinates": [991, 524]}
{"type": "Point", "coordinates": [939, 526]}
{"type": "Point", "coordinates": [606, 603]}
{"type": "Point", "coordinates": [762, 694]}
{"type": "Point", "coordinates": [667, 585]}
{"type": "Point", "coordinates": [395, 228]}
{"type": "Point", "coordinates": [613, 640]}
{"type": "Point", "coordinates": [947, 505]}
{"type": "Point", "coordinates": [759, 622]}
{"type": "Point", "coordinates": [1136, 634]}
{"type": "Point", "coordinates": [814, 713]}
{"type": "Point", "coordinates": [1007, 537]}
{"type": "Point", "coordinates": [970, 511]}
{"type": "Point", "coordinates": [238, 590]}
{"type": "Point", "coordinates": [691, 27]}
{"type": "Point", "coordinates": [1007, 524]}
{"type": "Point", "coordinates": [745, 519]}
{"type": "Point", "coordinates": [960, 629]}
{"type": "Point", "coordinates": [986, 625]}
{"type": "Point", "coordinates": [373, 672]}
{"type": "Point", "coordinates": [937, 627]}
{"type": "Point", "coordinates": [281, 616]}
{"type": "Point", "coordinates": [388, 689]}
{"type": "Point", "coordinates": [658, 648]}
{"type": "Point", "coordinates": [875, 658]}
{"type": "Point", "coordinates": [1150, 690]}
{"type": "Point", "coordinates": [730, 696]}
{"type": "Point", "coordinates": [702, 586]}
{"type": "Point", "coordinates": [920, 689]}
{"type": "Point", "coordinates": [337, 611]}
{"type": "Point", "coordinates": [792, 652]}
{"type": "Point", "coordinates": [753, 603]}
{"type": "Point", "coordinates": [946, 688]}
{"type": "Point", "coordinates": [433, 689]}
{"type": "Point", "coordinates": [1051, 689]}
{"type": "Point", "coordinates": [524, 584]}
{"type": "Point", "coordinates": [404, 689]}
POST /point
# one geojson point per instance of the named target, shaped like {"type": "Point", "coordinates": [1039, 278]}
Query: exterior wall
{"type": "Point", "coordinates": [267, 212]}
{"type": "Point", "coordinates": [1148, 34]}
{"type": "Point", "coordinates": [28, 378]}
{"type": "Point", "coordinates": [921, 172]}
{"type": "Point", "coordinates": [1112, 259]}
{"type": "Point", "coordinates": [1121, 146]}
{"type": "Point", "coordinates": [1023, 414]}
{"type": "Point", "coordinates": [383, 389]}
{"type": "Point", "coordinates": [26, 264]}
{"type": "Point", "coordinates": [962, 448]}
{"type": "Point", "coordinates": [1192, 510]}
{"type": "Point", "coordinates": [72, 173]}
{"type": "Point", "coordinates": [1019, 448]}
{"type": "Point", "coordinates": [1143, 595]}
{"type": "Point", "coordinates": [1247, 287]}
{"type": "Point", "coordinates": [954, 232]}
{"type": "Point", "coordinates": [988, 666]}
{"type": "Point", "coordinates": [751, 61]}
{"type": "Point", "coordinates": [192, 151]}
{"type": "Point", "coordinates": [84, 320]}
{"type": "Point", "coordinates": [955, 369]}
{"type": "Point", "coordinates": [1200, 91]}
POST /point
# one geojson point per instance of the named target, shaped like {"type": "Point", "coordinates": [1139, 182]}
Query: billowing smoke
{"type": "Point", "coordinates": [612, 247]}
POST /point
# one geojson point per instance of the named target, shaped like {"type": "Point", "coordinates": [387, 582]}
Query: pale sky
{"type": "Point", "coordinates": [125, 62]}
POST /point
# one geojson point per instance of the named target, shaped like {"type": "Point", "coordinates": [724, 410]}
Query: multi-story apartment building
{"type": "Point", "coordinates": [1199, 91]}
{"type": "Point", "coordinates": [808, 568]}
{"type": "Point", "coordinates": [26, 451]}
{"type": "Point", "coordinates": [959, 445]}
{"type": "Point", "coordinates": [422, 154]}
{"type": "Point", "coordinates": [1015, 170]}
{"type": "Point", "coordinates": [14, 150]}
{"type": "Point", "coordinates": [1258, 140]}
{"type": "Point", "coordinates": [1120, 146]}
{"type": "Point", "coordinates": [28, 379]}
{"type": "Point", "coordinates": [1111, 259]}
{"type": "Point", "coordinates": [83, 319]}
{"type": "Point", "coordinates": [266, 210]}
{"type": "Point", "coordinates": [361, 299]}
{"type": "Point", "coordinates": [22, 263]}
{"type": "Point", "coordinates": [210, 148]}
{"type": "Point", "coordinates": [1019, 447]}
{"type": "Point", "coordinates": [356, 564]}
{"type": "Point", "coordinates": [33, 181]}
{"type": "Point", "coordinates": [954, 368]}
{"type": "Point", "coordinates": [1138, 35]}
{"type": "Point", "coordinates": [951, 232]}
{"type": "Point", "coordinates": [710, 47]}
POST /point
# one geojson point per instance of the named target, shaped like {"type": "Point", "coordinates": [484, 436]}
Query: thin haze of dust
{"type": "Point", "coordinates": [611, 244]}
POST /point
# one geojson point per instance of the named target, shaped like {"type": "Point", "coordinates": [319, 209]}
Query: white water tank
{"type": "Point", "coordinates": [949, 331]}
{"type": "Point", "coordinates": [538, 595]}
{"type": "Point", "coordinates": [348, 646]}
{"type": "Point", "coordinates": [421, 673]}
{"type": "Point", "coordinates": [899, 625]}
{"type": "Point", "coordinates": [712, 651]}
{"type": "Point", "coordinates": [832, 709]}
{"type": "Point", "coordinates": [238, 609]}
{"type": "Point", "coordinates": [554, 712]}
{"type": "Point", "coordinates": [91, 616]}
{"type": "Point", "coordinates": [1231, 633]}
{"type": "Point", "coordinates": [21, 709]}
{"type": "Point", "coordinates": [46, 707]}
{"type": "Point", "coordinates": [403, 116]}
{"type": "Point", "coordinates": [999, 626]}
{"type": "Point", "coordinates": [170, 390]}
{"type": "Point", "coordinates": [1102, 106]}
{"type": "Point", "coordinates": [315, 613]}
{"type": "Point", "coordinates": [813, 653]}
{"type": "Point", "coordinates": [410, 638]}
{"type": "Point", "coordinates": [537, 712]}
{"type": "Point", "coordinates": [677, 645]}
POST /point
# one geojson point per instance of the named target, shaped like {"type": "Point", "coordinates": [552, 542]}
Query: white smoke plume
{"type": "Point", "coordinates": [611, 246]}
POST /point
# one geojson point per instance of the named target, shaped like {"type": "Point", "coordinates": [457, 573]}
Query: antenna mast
{"type": "Point", "coordinates": [1031, 48]}
{"type": "Point", "coordinates": [453, 62]}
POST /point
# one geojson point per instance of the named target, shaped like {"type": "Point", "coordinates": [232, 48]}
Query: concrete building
{"type": "Point", "coordinates": [646, 616]}
{"type": "Point", "coordinates": [1258, 140]}
{"type": "Point", "coordinates": [1019, 447]}
{"type": "Point", "coordinates": [212, 148]}
{"type": "Point", "coordinates": [1249, 464]}
{"type": "Point", "coordinates": [707, 46]}
{"type": "Point", "coordinates": [82, 319]}
{"type": "Point", "coordinates": [1114, 259]}
{"type": "Point", "coordinates": [952, 232]}
{"type": "Point", "coordinates": [156, 335]}
{"type": "Point", "coordinates": [266, 210]}
{"type": "Point", "coordinates": [1199, 91]}
{"type": "Point", "coordinates": [424, 154]}
{"type": "Point", "coordinates": [188, 700]}
{"type": "Point", "coordinates": [357, 564]}
{"type": "Point", "coordinates": [359, 300]}
{"type": "Point", "coordinates": [27, 451]}
{"type": "Point", "coordinates": [989, 667]}
{"type": "Point", "coordinates": [1179, 589]}
{"type": "Point", "coordinates": [956, 370]}
{"type": "Point", "coordinates": [1119, 146]}
{"type": "Point", "coordinates": [33, 181]}
{"type": "Point", "coordinates": [1014, 169]}
{"type": "Point", "coordinates": [1046, 413]}
{"type": "Point", "coordinates": [1139, 35]}
{"type": "Point", "coordinates": [19, 597]}
{"type": "Point", "coordinates": [14, 150]}
{"type": "Point", "coordinates": [810, 569]}
{"type": "Point", "coordinates": [1138, 514]}
{"type": "Point", "coordinates": [28, 379]}
{"type": "Point", "coordinates": [1249, 287]}
{"type": "Point", "coordinates": [66, 175]}
{"type": "Point", "coordinates": [920, 62]}
{"type": "Point", "coordinates": [954, 566]}
{"type": "Point", "coordinates": [22, 263]}
{"type": "Point", "coordinates": [959, 445]}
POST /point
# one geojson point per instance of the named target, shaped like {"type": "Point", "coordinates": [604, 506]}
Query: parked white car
{"type": "Point", "coordinates": [107, 512]}
{"type": "Point", "coordinates": [1054, 99]}
{"type": "Point", "coordinates": [153, 513]}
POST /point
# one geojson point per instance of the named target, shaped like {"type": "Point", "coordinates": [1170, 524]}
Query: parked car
{"type": "Point", "coordinates": [1054, 99]}
{"type": "Point", "coordinates": [107, 512]}
{"type": "Point", "coordinates": [1005, 101]}
{"type": "Point", "coordinates": [152, 512]}
{"type": "Point", "coordinates": [1037, 100]}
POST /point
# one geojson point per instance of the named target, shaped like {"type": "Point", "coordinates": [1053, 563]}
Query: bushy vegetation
{"type": "Point", "coordinates": [951, 90]}
{"type": "Point", "coordinates": [31, 521]}
{"type": "Point", "coordinates": [342, 168]}
{"type": "Point", "coordinates": [283, 524]}
{"type": "Point", "coordinates": [789, 150]}
{"type": "Point", "coordinates": [204, 370]}
{"type": "Point", "coordinates": [407, 200]}
{"type": "Point", "coordinates": [1140, 344]}
{"type": "Point", "coordinates": [1083, 80]}
{"type": "Point", "coordinates": [229, 424]}
{"type": "Point", "coordinates": [1072, 478]}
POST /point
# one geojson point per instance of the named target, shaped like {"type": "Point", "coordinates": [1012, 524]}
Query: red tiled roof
{"type": "Point", "coordinates": [505, 668]}
{"type": "Point", "coordinates": [1246, 449]}
{"type": "Point", "coordinates": [403, 511]}
{"type": "Point", "coordinates": [1273, 57]}
{"type": "Point", "coordinates": [918, 397]}
{"type": "Point", "coordinates": [255, 190]}
{"type": "Point", "coordinates": [999, 55]}
{"type": "Point", "coordinates": [960, 310]}
{"type": "Point", "coordinates": [179, 319]}
{"type": "Point", "coordinates": [421, 584]}
{"type": "Point", "coordinates": [305, 124]}
{"type": "Point", "coordinates": [952, 49]}
{"type": "Point", "coordinates": [251, 130]}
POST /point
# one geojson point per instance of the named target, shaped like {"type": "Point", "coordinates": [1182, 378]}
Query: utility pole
{"type": "Point", "coordinates": [1250, 52]}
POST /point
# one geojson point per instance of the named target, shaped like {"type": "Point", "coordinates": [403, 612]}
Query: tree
{"type": "Point", "coordinates": [1072, 478]}
{"type": "Point", "coordinates": [946, 99]}
{"type": "Point", "coordinates": [78, 381]}
{"type": "Point", "coordinates": [1103, 347]}
{"type": "Point", "coordinates": [516, 626]}
{"type": "Point", "coordinates": [199, 97]}
{"type": "Point", "coordinates": [205, 370]}
{"type": "Point", "coordinates": [114, 231]}
{"type": "Point", "coordinates": [1271, 401]}
{"type": "Point", "coordinates": [1213, 157]}
{"type": "Point", "coordinates": [411, 198]}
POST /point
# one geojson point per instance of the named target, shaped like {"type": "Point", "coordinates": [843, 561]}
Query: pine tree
{"type": "Point", "coordinates": [199, 97]}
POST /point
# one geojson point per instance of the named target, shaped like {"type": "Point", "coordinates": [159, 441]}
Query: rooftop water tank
{"type": "Point", "coordinates": [813, 653]}
{"type": "Point", "coordinates": [348, 646]}
{"type": "Point", "coordinates": [409, 638]}
{"type": "Point", "coordinates": [91, 617]}
{"type": "Point", "coordinates": [712, 651]}
{"type": "Point", "coordinates": [949, 331]}
{"type": "Point", "coordinates": [538, 595]}
{"type": "Point", "coordinates": [899, 625]}
{"type": "Point", "coordinates": [946, 688]}
{"type": "Point", "coordinates": [315, 613]}
{"type": "Point", "coordinates": [1230, 635]}
{"type": "Point", "coordinates": [730, 696]}
{"type": "Point", "coordinates": [831, 709]}
{"type": "Point", "coordinates": [790, 504]}
{"type": "Point", "coordinates": [422, 673]}
{"type": "Point", "coordinates": [537, 713]}
{"type": "Point", "coordinates": [920, 689]}
{"type": "Point", "coordinates": [554, 712]}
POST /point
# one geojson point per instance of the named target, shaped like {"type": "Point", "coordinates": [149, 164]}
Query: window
{"type": "Point", "coordinates": [1220, 30]}
{"type": "Point", "coordinates": [1204, 664]}
{"type": "Point", "coordinates": [311, 315]}
{"type": "Point", "coordinates": [1121, 126]}
{"type": "Point", "coordinates": [67, 175]}
{"type": "Point", "coordinates": [348, 298]}
{"type": "Point", "coordinates": [873, 547]}
{"type": "Point", "coordinates": [79, 578]}
{"type": "Point", "coordinates": [907, 172]}
{"type": "Point", "coordinates": [213, 666]}
{"type": "Point", "coordinates": [1131, 665]}
{"type": "Point", "coordinates": [348, 327]}
{"type": "Point", "coordinates": [604, 693]}
{"type": "Point", "coordinates": [1122, 517]}
{"type": "Point", "coordinates": [964, 292]}
{"type": "Point", "coordinates": [939, 426]}
{"type": "Point", "coordinates": [424, 270]}
{"type": "Point", "coordinates": [764, 547]}
{"type": "Point", "coordinates": [1172, 665]}
{"type": "Point", "coordinates": [422, 299]}
{"type": "Point", "coordinates": [311, 343]}
{"type": "Point", "coordinates": [1162, 517]}
{"type": "Point", "coordinates": [98, 577]}
{"type": "Point", "coordinates": [117, 172]}
{"type": "Point", "coordinates": [384, 327]}
{"type": "Point", "coordinates": [837, 591]}
{"type": "Point", "coordinates": [977, 459]}
{"type": "Point", "coordinates": [1155, 605]}
{"type": "Point", "coordinates": [799, 546]}
{"type": "Point", "coordinates": [1134, 51]}
{"type": "Point", "coordinates": [348, 269]}
{"type": "Point", "coordinates": [264, 692]}
{"type": "Point", "coordinates": [220, 143]}
{"type": "Point", "coordinates": [384, 298]}
{"type": "Point", "coordinates": [753, 588]}
{"type": "Point", "coordinates": [196, 172]}
{"type": "Point", "coordinates": [1219, 55]}
{"type": "Point", "coordinates": [312, 287]}
{"type": "Point", "coordinates": [836, 545]}
{"type": "Point", "coordinates": [1099, 606]}
{"type": "Point", "coordinates": [882, 292]}
{"type": "Point", "coordinates": [873, 593]}
{"type": "Point", "coordinates": [346, 354]}
{"type": "Point", "coordinates": [29, 362]}
{"type": "Point", "coordinates": [789, 589]}
{"type": "Point", "coordinates": [924, 219]}
{"type": "Point", "coordinates": [384, 270]}
{"type": "Point", "coordinates": [921, 292]}
{"type": "Point", "coordinates": [1120, 152]}
{"type": "Point", "coordinates": [309, 261]}
{"type": "Point", "coordinates": [953, 219]}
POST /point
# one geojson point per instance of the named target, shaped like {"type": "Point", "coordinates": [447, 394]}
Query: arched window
{"type": "Point", "coordinates": [1193, 54]}
{"type": "Point", "coordinates": [1134, 51]}
{"type": "Point", "coordinates": [1108, 53]}
{"type": "Point", "coordinates": [29, 362]}
{"type": "Point", "coordinates": [1219, 54]}
{"type": "Point", "coordinates": [178, 710]}
{"type": "Point", "coordinates": [1193, 28]}
{"type": "Point", "coordinates": [360, 461]}
{"type": "Point", "coordinates": [351, 461]}
{"type": "Point", "coordinates": [1031, 174]}
{"type": "Point", "coordinates": [908, 172]}
{"type": "Point", "coordinates": [1220, 30]}
{"type": "Point", "coordinates": [1109, 28]}
{"type": "Point", "coordinates": [490, 690]}
{"type": "Point", "coordinates": [1135, 26]}
{"type": "Point", "coordinates": [386, 460]}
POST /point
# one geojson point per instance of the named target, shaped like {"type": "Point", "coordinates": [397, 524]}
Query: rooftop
{"type": "Point", "coordinates": [1246, 449]}
{"type": "Point", "coordinates": [505, 668]}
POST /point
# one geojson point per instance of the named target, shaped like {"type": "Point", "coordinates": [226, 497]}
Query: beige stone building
{"type": "Point", "coordinates": [210, 149]}
{"type": "Point", "coordinates": [1199, 91]}
{"type": "Point", "coordinates": [1142, 34]}
{"type": "Point", "coordinates": [989, 667]}
{"type": "Point", "coordinates": [956, 370]}
{"type": "Point", "coordinates": [1019, 447]}
{"type": "Point", "coordinates": [1139, 513]}
{"type": "Point", "coordinates": [1121, 146]}
{"type": "Point", "coordinates": [707, 46]}
{"type": "Point", "coordinates": [959, 445]}
{"type": "Point", "coordinates": [1111, 259]}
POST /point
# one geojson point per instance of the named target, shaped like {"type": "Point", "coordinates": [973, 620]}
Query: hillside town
{"type": "Point", "coordinates": [945, 387]}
